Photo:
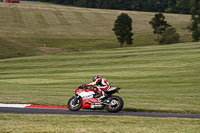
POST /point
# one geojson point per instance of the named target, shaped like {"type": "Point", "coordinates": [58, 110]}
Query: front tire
{"type": "Point", "coordinates": [75, 107]}
{"type": "Point", "coordinates": [115, 105]}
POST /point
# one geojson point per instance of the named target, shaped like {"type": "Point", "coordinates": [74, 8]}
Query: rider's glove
{"type": "Point", "coordinates": [84, 85]}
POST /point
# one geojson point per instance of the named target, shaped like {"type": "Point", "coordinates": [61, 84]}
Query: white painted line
{"type": "Point", "coordinates": [14, 105]}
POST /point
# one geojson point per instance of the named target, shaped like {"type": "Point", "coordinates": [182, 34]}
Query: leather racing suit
{"type": "Point", "coordinates": [102, 85]}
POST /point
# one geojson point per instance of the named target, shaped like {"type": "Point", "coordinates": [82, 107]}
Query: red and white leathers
{"type": "Point", "coordinates": [102, 85]}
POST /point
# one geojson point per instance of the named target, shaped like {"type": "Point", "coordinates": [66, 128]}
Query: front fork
{"type": "Point", "coordinates": [75, 100]}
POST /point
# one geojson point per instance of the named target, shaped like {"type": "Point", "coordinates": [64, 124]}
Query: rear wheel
{"type": "Point", "coordinates": [115, 105]}
{"type": "Point", "coordinates": [74, 107]}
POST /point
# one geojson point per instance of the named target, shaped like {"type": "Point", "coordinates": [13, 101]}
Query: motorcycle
{"type": "Point", "coordinates": [86, 98]}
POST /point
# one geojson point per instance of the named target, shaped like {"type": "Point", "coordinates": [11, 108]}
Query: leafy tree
{"type": "Point", "coordinates": [182, 6]}
{"type": "Point", "coordinates": [195, 30]}
{"type": "Point", "coordinates": [195, 17]}
{"type": "Point", "coordinates": [137, 5]}
{"type": "Point", "coordinates": [171, 6]}
{"type": "Point", "coordinates": [155, 5]}
{"type": "Point", "coordinates": [105, 4]}
{"type": "Point", "coordinates": [123, 28]}
{"type": "Point", "coordinates": [159, 24]}
{"type": "Point", "coordinates": [99, 3]}
{"type": "Point", "coordinates": [169, 36]}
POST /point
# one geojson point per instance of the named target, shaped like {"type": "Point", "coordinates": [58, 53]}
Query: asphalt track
{"type": "Point", "coordinates": [91, 112]}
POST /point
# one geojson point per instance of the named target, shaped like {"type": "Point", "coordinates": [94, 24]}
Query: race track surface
{"type": "Point", "coordinates": [91, 112]}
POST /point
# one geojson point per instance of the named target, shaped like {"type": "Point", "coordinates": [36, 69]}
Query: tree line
{"type": "Point", "coordinates": [169, 6]}
{"type": "Point", "coordinates": [123, 29]}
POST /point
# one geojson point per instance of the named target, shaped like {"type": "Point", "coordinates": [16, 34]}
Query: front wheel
{"type": "Point", "coordinates": [115, 105]}
{"type": "Point", "coordinates": [74, 106]}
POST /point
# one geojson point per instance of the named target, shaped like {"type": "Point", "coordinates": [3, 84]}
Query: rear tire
{"type": "Point", "coordinates": [115, 105]}
{"type": "Point", "coordinates": [76, 107]}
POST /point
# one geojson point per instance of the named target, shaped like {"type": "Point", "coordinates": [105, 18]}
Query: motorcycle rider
{"type": "Point", "coordinates": [102, 85]}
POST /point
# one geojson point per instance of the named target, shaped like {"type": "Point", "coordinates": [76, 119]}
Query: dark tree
{"type": "Point", "coordinates": [159, 24]}
{"type": "Point", "coordinates": [195, 30]}
{"type": "Point", "coordinates": [123, 28]}
{"type": "Point", "coordinates": [182, 6]}
{"type": "Point", "coordinates": [155, 5]}
{"type": "Point", "coordinates": [171, 6]}
{"type": "Point", "coordinates": [195, 17]}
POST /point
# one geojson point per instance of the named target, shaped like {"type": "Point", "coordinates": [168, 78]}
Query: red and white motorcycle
{"type": "Point", "coordinates": [86, 98]}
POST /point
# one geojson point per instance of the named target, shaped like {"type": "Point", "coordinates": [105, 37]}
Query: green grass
{"type": "Point", "coordinates": [98, 124]}
{"type": "Point", "coordinates": [152, 78]}
{"type": "Point", "coordinates": [29, 25]}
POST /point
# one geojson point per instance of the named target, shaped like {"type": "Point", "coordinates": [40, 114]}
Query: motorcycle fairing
{"type": "Point", "coordinates": [89, 102]}
{"type": "Point", "coordinates": [88, 94]}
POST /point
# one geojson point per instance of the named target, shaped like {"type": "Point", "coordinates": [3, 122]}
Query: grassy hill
{"type": "Point", "coordinates": [152, 78]}
{"type": "Point", "coordinates": [37, 28]}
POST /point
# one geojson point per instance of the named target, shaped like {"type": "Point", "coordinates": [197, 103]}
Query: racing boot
{"type": "Point", "coordinates": [102, 97]}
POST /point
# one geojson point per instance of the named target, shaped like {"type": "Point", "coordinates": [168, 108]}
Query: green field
{"type": "Point", "coordinates": [28, 26]}
{"type": "Point", "coordinates": [152, 78]}
{"type": "Point", "coordinates": [99, 124]}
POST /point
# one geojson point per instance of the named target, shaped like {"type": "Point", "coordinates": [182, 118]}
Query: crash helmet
{"type": "Point", "coordinates": [95, 78]}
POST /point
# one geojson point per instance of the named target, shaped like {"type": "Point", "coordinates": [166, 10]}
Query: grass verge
{"type": "Point", "coordinates": [99, 124]}
{"type": "Point", "coordinates": [152, 78]}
